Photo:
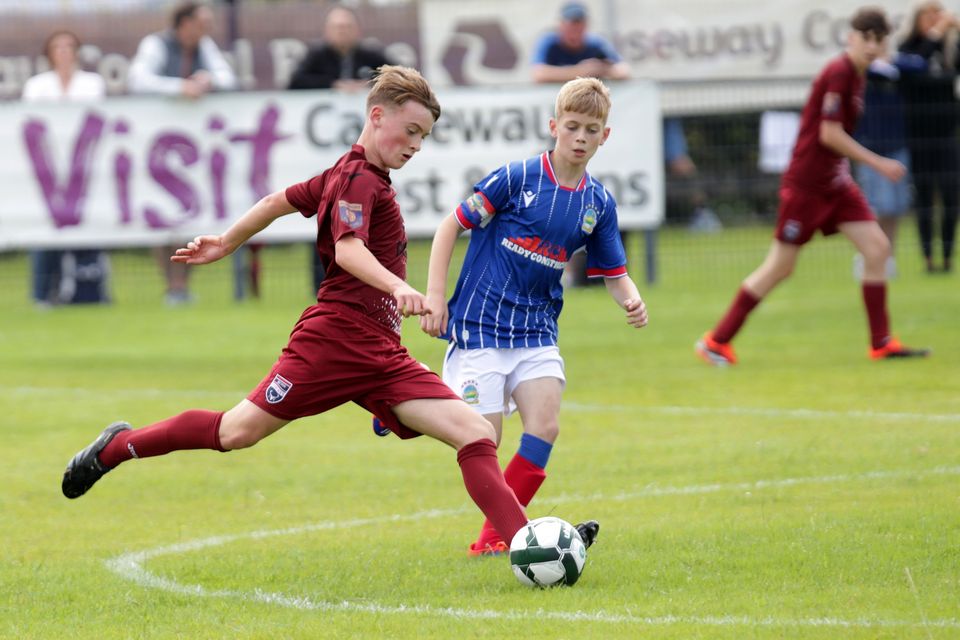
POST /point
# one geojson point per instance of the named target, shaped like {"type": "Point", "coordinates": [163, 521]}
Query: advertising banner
{"type": "Point", "coordinates": [146, 171]}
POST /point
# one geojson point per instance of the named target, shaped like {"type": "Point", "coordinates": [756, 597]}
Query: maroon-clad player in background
{"type": "Point", "coordinates": [346, 347]}
{"type": "Point", "coordinates": [817, 193]}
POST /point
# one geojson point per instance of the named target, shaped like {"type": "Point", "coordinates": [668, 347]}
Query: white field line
{"type": "Point", "coordinates": [769, 412]}
{"type": "Point", "coordinates": [130, 566]}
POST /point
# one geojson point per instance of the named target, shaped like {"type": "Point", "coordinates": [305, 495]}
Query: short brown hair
{"type": "Point", "coordinates": [183, 11]}
{"type": "Point", "coordinates": [871, 20]}
{"type": "Point", "coordinates": [584, 95]}
{"type": "Point", "coordinates": [395, 85]}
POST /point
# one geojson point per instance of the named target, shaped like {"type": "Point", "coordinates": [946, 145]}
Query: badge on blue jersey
{"type": "Point", "coordinates": [351, 214]}
{"type": "Point", "coordinates": [589, 219]}
{"type": "Point", "coordinates": [278, 389]}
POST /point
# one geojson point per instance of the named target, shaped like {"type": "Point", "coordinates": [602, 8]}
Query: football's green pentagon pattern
{"type": "Point", "coordinates": [546, 552]}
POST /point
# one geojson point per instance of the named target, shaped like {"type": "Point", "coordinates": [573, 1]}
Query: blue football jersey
{"type": "Point", "coordinates": [524, 228]}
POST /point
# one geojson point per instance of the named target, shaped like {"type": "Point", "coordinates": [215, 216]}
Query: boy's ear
{"type": "Point", "coordinates": [606, 134]}
{"type": "Point", "coordinates": [553, 127]}
{"type": "Point", "coordinates": [376, 113]}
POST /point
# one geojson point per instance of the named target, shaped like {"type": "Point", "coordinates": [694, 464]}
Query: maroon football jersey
{"type": "Point", "coordinates": [836, 94]}
{"type": "Point", "coordinates": [355, 197]}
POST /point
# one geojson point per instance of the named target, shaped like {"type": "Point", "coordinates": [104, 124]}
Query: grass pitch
{"type": "Point", "coordinates": [806, 493]}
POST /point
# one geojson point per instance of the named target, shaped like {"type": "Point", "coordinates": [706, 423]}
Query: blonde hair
{"type": "Point", "coordinates": [584, 95]}
{"type": "Point", "coordinates": [394, 85]}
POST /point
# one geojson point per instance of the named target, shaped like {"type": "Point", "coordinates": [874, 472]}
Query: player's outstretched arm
{"type": "Point", "coordinates": [625, 292]}
{"type": "Point", "coordinates": [207, 249]}
{"type": "Point", "coordinates": [435, 322]}
{"type": "Point", "coordinates": [352, 255]}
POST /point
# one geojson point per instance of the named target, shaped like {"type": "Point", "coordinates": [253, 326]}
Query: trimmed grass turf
{"type": "Point", "coordinates": [787, 497]}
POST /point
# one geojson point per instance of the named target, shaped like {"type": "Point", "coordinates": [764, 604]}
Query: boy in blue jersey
{"type": "Point", "coordinates": [527, 218]}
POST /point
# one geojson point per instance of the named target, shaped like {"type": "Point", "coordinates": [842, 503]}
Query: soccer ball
{"type": "Point", "coordinates": [547, 552]}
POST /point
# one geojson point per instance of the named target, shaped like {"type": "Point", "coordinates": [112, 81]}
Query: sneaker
{"type": "Point", "coordinates": [716, 353]}
{"type": "Point", "coordinates": [893, 349]}
{"type": "Point", "coordinates": [588, 532]}
{"type": "Point", "coordinates": [85, 468]}
{"type": "Point", "coordinates": [379, 428]}
{"type": "Point", "coordinates": [489, 549]}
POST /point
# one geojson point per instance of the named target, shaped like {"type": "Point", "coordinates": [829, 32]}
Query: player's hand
{"type": "Point", "coordinates": [201, 250]}
{"type": "Point", "coordinates": [892, 170]}
{"type": "Point", "coordinates": [410, 302]}
{"type": "Point", "coordinates": [636, 312]}
{"type": "Point", "coordinates": [434, 321]}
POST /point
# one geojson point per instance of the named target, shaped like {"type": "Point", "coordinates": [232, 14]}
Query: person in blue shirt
{"type": "Point", "coordinates": [571, 52]}
{"type": "Point", "coordinates": [526, 219]}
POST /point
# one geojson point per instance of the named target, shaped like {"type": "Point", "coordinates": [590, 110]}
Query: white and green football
{"type": "Point", "coordinates": [547, 552]}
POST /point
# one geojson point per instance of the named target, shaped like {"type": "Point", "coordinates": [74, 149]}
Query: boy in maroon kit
{"type": "Point", "coordinates": [346, 347]}
{"type": "Point", "coordinates": [817, 193]}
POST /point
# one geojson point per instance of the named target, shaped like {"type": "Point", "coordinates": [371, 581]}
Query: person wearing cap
{"type": "Point", "coordinates": [571, 52]}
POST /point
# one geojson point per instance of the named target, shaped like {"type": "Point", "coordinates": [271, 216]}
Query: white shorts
{"type": "Point", "coordinates": [486, 378]}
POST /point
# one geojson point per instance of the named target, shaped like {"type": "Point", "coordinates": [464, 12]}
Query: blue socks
{"type": "Point", "coordinates": [534, 450]}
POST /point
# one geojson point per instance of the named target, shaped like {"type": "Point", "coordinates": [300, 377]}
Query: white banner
{"type": "Point", "coordinates": [492, 41]}
{"type": "Point", "coordinates": [144, 171]}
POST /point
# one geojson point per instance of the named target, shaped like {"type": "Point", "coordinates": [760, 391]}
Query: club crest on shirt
{"type": "Point", "coordinates": [278, 389]}
{"type": "Point", "coordinates": [831, 104]}
{"type": "Point", "coordinates": [589, 219]}
{"type": "Point", "coordinates": [792, 229]}
{"type": "Point", "coordinates": [351, 214]}
{"type": "Point", "coordinates": [470, 392]}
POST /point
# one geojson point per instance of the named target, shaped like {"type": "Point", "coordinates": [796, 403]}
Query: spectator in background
{"type": "Point", "coordinates": [65, 82]}
{"type": "Point", "coordinates": [928, 61]}
{"type": "Point", "coordinates": [683, 189]}
{"type": "Point", "coordinates": [570, 51]}
{"type": "Point", "coordinates": [343, 63]}
{"type": "Point", "coordinates": [181, 61]}
{"type": "Point", "coordinates": [882, 129]}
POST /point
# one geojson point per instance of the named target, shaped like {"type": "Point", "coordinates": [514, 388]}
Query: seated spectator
{"type": "Point", "coordinates": [181, 61]}
{"type": "Point", "coordinates": [341, 61]}
{"type": "Point", "coordinates": [66, 82]}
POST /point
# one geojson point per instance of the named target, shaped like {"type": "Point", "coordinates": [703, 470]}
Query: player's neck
{"type": "Point", "coordinates": [370, 150]}
{"type": "Point", "coordinates": [567, 174]}
{"type": "Point", "coordinates": [861, 69]}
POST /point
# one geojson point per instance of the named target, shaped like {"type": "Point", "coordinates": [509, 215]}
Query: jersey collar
{"type": "Point", "coordinates": [548, 169]}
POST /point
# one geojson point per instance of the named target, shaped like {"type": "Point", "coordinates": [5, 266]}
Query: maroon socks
{"type": "Point", "coordinates": [485, 484]}
{"type": "Point", "coordinates": [194, 429]}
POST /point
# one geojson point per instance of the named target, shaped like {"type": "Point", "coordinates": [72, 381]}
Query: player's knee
{"type": "Point", "coordinates": [546, 430]}
{"type": "Point", "coordinates": [877, 251]}
{"type": "Point", "coordinates": [784, 271]}
{"type": "Point", "coordinates": [476, 427]}
{"type": "Point", "coordinates": [238, 436]}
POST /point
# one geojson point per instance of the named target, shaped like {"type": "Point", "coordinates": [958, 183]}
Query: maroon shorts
{"type": "Point", "coordinates": [337, 355]}
{"type": "Point", "coordinates": [803, 212]}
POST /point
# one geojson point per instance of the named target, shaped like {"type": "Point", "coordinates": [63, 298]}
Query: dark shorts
{"type": "Point", "coordinates": [337, 355]}
{"type": "Point", "coordinates": [803, 212]}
